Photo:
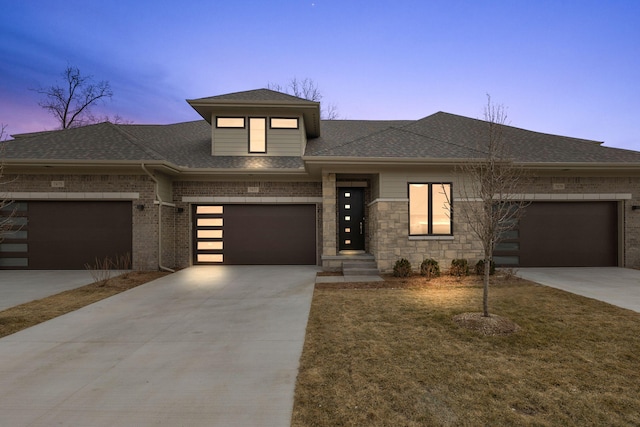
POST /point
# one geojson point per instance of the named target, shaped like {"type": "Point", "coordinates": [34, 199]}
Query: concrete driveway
{"type": "Point", "coordinates": [20, 286]}
{"type": "Point", "coordinates": [617, 286]}
{"type": "Point", "coordinates": [206, 346]}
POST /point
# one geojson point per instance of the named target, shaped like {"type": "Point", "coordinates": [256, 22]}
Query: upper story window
{"type": "Point", "coordinates": [230, 122]}
{"type": "Point", "coordinates": [430, 209]}
{"type": "Point", "coordinates": [284, 123]}
{"type": "Point", "coordinates": [257, 135]}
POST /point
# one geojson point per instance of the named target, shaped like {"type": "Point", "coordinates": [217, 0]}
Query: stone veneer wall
{"type": "Point", "coordinates": [234, 192]}
{"type": "Point", "coordinates": [389, 222]}
{"type": "Point", "coordinates": [99, 187]}
{"type": "Point", "coordinates": [390, 239]}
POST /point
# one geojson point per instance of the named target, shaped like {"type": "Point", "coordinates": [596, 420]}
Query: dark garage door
{"type": "Point", "coordinates": [563, 234]}
{"type": "Point", "coordinates": [255, 234]}
{"type": "Point", "coordinates": [68, 235]}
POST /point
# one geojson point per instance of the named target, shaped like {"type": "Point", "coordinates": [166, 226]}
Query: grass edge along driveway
{"type": "Point", "coordinates": [391, 357]}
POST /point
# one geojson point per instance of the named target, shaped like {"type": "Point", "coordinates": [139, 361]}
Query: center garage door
{"type": "Point", "coordinates": [67, 235]}
{"type": "Point", "coordinates": [563, 234]}
{"type": "Point", "coordinates": [255, 234]}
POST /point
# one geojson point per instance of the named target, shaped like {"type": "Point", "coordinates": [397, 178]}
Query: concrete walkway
{"type": "Point", "coordinates": [617, 286]}
{"type": "Point", "coordinates": [206, 346]}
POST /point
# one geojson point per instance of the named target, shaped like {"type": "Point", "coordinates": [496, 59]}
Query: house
{"type": "Point", "coordinates": [263, 180]}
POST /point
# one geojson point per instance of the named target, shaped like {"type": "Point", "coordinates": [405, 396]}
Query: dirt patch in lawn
{"type": "Point", "coordinates": [29, 314]}
{"type": "Point", "coordinates": [379, 355]}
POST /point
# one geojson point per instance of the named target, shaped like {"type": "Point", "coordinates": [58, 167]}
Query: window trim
{"type": "Point", "coordinates": [271, 126]}
{"type": "Point", "coordinates": [244, 122]}
{"type": "Point", "coordinates": [265, 135]}
{"type": "Point", "coordinates": [430, 208]}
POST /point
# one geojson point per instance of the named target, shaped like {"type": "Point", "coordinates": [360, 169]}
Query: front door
{"type": "Point", "coordinates": [351, 221]}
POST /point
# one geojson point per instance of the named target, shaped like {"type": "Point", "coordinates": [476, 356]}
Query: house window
{"type": "Point", "coordinates": [230, 122]}
{"type": "Point", "coordinates": [257, 135]}
{"type": "Point", "coordinates": [430, 209]}
{"type": "Point", "coordinates": [282, 123]}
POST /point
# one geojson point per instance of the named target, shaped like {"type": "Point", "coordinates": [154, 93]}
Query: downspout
{"type": "Point", "coordinates": [160, 204]}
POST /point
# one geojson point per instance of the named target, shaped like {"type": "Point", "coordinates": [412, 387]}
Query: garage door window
{"type": "Point", "coordinates": [209, 234]}
{"type": "Point", "coordinates": [14, 247]}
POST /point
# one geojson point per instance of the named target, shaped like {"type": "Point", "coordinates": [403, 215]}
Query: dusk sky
{"type": "Point", "coordinates": [560, 66]}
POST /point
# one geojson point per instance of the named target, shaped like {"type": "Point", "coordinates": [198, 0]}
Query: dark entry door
{"type": "Point", "coordinates": [351, 221]}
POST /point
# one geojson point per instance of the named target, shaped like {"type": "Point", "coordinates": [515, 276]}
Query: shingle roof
{"type": "Point", "coordinates": [449, 136]}
{"type": "Point", "coordinates": [103, 141]}
{"type": "Point", "coordinates": [524, 145]}
{"type": "Point", "coordinates": [440, 136]}
{"type": "Point", "coordinates": [267, 95]}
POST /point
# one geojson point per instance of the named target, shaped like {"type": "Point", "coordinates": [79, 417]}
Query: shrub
{"type": "Point", "coordinates": [430, 268]}
{"type": "Point", "coordinates": [402, 268]}
{"type": "Point", "coordinates": [459, 267]}
{"type": "Point", "coordinates": [480, 267]}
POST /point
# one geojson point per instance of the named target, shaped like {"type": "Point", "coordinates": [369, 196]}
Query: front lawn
{"type": "Point", "coordinates": [395, 357]}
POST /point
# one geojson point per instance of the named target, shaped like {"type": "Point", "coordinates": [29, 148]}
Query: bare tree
{"type": "Point", "coordinates": [490, 186]}
{"type": "Point", "coordinates": [116, 119]}
{"type": "Point", "coordinates": [306, 89]}
{"type": "Point", "coordinates": [71, 102]}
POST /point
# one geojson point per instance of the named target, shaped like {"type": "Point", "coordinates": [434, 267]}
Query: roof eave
{"type": "Point", "coordinates": [310, 110]}
{"type": "Point", "coordinates": [90, 164]}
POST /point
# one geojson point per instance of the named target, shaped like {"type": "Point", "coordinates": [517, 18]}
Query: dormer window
{"type": "Point", "coordinates": [230, 122]}
{"type": "Point", "coordinates": [284, 123]}
{"type": "Point", "coordinates": [257, 135]}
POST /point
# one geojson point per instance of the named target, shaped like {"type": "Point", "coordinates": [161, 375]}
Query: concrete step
{"type": "Point", "coordinates": [365, 267]}
{"type": "Point", "coordinates": [358, 264]}
{"type": "Point", "coordinates": [360, 272]}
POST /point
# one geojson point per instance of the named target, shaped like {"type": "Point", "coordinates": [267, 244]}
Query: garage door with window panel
{"type": "Point", "coordinates": [562, 234]}
{"type": "Point", "coordinates": [254, 234]}
{"type": "Point", "coordinates": [65, 235]}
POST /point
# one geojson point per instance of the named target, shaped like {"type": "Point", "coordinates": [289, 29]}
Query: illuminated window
{"type": "Point", "coordinates": [278, 123]}
{"type": "Point", "coordinates": [230, 122]}
{"type": "Point", "coordinates": [210, 258]}
{"type": "Point", "coordinates": [209, 210]}
{"type": "Point", "coordinates": [209, 234]}
{"type": "Point", "coordinates": [209, 222]}
{"type": "Point", "coordinates": [430, 209]}
{"type": "Point", "coordinates": [257, 135]}
{"type": "Point", "coordinates": [209, 246]}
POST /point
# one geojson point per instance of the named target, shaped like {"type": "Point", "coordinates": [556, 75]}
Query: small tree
{"type": "Point", "coordinates": [490, 185]}
{"type": "Point", "coordinates": [71, 102]}
{"type": "Point", "coordinates": [306, 89]}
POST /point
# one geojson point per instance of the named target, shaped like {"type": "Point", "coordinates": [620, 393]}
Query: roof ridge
{"type": "Point", "coordinates": [443, 141]}
{"type": "Point", "coordinates": [354, 140]}
{"type": "Point", "coordinates": [589, 141]}
{"type": "Point", "coordinates": [400, 129]}
{"type": "Point", "coordinates": [135, 141]}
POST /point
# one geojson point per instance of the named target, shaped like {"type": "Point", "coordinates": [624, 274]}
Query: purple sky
{"type": "Point", "coordinates": [564, 67]}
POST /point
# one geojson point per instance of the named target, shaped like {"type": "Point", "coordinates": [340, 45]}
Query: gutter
{"type": "Point", "coordinates": [160, 204]}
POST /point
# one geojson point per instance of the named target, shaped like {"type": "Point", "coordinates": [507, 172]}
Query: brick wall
{"type": "Point", "coordinates": [99, 187]}
{"type": "Point", "coordinates": [246, 189]}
